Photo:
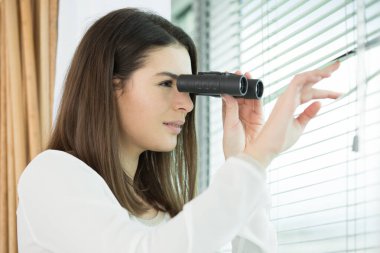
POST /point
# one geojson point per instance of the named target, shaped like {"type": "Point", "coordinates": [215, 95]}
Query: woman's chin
{"type": "Point", "coordinates": [164, 147]}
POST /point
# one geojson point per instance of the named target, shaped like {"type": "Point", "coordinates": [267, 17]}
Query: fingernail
{"type": "Point", "coordinates": [341, 96]}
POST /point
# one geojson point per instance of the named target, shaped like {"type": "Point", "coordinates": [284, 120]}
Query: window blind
{"type": "Point", "coordinates": [325, 189]}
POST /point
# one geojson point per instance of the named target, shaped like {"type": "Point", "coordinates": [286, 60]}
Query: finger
{"type": "Point", "coordinates": [247, 75]}
{"type": "Point", "coordinates": [327, 71]}
{"type": "Point", "coordinates": [231, 111]}
{"type": "Point", "coordinates": [258, 106]}
{"type": "Point", "coordinates": [314, 76]}
{"type": "Point", "coordinates": [307, 78]}
{"type": "Point", "coordinates": [309, 113]}
{"type": "Point", "coordinates": [223, 108]}
{"type": "Point", "coordinates": [240, 100]}
{"type": "Point", "coordinates": [238, 72]}
{"type": "Point", "coordinates": [331, 68]}
{"type": "Point", "coordinates": [255, 105]}
{"type": "Point", "coordinates": [325, 94]}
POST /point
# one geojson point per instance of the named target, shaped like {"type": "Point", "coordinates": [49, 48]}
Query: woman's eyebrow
{"type": "Point", "coordinates": [165, 73]}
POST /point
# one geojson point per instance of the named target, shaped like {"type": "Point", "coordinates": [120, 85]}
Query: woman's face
{"type": "Point", "coordinates": [152, 111]}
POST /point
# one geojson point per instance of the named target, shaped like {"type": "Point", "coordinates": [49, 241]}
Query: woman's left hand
{"type": "Point", "coordinates": [242, 122]}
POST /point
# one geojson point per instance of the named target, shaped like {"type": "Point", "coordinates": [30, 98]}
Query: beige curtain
{"type": "Point", "coordinates": [28, 35]}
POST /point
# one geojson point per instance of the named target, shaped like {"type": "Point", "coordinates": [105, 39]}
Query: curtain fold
{"type": "Point", "coordinates": [28, 32]}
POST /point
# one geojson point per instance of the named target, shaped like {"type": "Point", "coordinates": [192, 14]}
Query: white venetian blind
{"type": "Point", "coordinates": [325, 189]}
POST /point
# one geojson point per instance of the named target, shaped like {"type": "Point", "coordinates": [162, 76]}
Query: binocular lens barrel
{"type": "Point", "coordinates": [217, 83]}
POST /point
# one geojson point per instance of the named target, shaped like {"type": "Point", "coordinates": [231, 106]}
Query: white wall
{"type": "Point", "coordinates": [74, 19]}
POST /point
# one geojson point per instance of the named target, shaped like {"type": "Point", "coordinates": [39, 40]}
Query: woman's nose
{"type": "Point", "coordinates": [183, 101]}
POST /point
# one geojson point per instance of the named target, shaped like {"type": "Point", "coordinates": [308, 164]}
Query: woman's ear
{"type": "Point", "coordinates": [117, 84]}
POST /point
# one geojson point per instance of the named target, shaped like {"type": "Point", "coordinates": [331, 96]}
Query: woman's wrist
{"type": "Point", "coordinates": [262, 157]}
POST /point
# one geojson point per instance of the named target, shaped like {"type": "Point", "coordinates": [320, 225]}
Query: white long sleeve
{"type": "Point", "coordinates": [258, 235]}
{"type": "Point", "coordinates": [65, 206]}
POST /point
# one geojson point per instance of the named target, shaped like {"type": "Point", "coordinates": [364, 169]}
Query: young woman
{"type": "Point", "coordinates": [119, 173]}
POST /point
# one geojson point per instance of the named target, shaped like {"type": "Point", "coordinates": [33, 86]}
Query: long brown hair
{"type": "Point", "coordinates": [87, 121]}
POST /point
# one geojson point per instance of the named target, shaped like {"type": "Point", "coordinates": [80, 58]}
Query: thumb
{"type": "Point", "coordinates": [309, 113]}
{"type": "Point", "coordinates": [230, 111]}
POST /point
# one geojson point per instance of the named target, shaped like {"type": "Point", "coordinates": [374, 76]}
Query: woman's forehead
{"type": "Point", "coordinates": [174, 59]}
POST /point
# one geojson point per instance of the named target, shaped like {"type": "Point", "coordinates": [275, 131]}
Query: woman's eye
{"type": "Point", "coordinates": [167, 83]}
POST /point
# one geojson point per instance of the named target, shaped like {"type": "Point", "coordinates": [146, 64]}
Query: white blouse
{"type": "Point", "coordinates": [65, 206]}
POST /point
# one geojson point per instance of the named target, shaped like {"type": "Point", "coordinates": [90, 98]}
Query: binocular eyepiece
{"type": "Point", "coordinates": [217, 83]}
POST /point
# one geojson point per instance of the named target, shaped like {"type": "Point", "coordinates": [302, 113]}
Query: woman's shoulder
{"type": "Point", "coordinates": [55, 156]}
{"type": "Point", "coordinates": [56, 161]}
{"type": "Point", "coordinates": [54, 170]}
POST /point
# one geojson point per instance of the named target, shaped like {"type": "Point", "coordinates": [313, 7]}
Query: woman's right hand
{"type": "Point", "coordinates": [282, 130]}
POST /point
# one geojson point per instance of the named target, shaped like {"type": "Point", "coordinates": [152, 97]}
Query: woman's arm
{"type": "Point", "coordinates": [244, 131]}
{"type": "Point", "coordinates": [258, 234]}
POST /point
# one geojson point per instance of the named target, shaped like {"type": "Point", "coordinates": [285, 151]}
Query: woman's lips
{"type": "Point", "coordinates": [174, 126]}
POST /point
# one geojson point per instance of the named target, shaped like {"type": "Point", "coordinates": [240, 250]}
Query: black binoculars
{"type": "Point", "coordinates": [217, 83]}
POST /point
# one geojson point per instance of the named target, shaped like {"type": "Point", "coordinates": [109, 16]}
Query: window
{"type": "Point", "coordinates": [325, 189]}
